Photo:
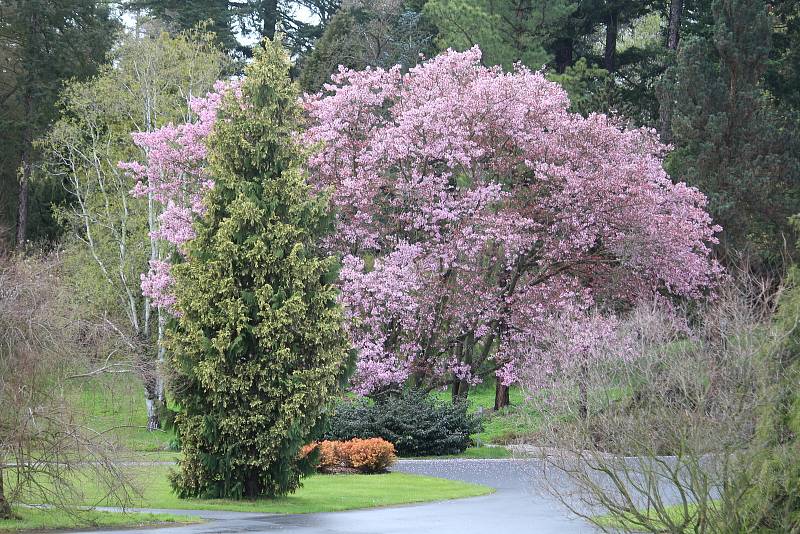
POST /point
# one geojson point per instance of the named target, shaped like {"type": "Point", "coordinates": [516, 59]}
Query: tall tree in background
{"type": "Point", "coordinates": [43, 43]}
{"type": "Point", "coordinates": [507, 31]}
{"type": "Point", "coordinates": [258, 347]}
{"type": "Point", "coordinates": [782, 78]}
{"type": "Point", "coordinates": [300, 21]}
{"type": "Point", "coordinates": [730, 140]}
{"type": "Point", "coordinates": [573, 38]}
{"type": "Point", "coordinates": [367, 34]}
{"type": "Point", "coordinates": [180, 15]}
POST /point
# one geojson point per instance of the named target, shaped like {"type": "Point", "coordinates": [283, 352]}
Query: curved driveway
{"type": "Point", "coordinates": [516, 507]}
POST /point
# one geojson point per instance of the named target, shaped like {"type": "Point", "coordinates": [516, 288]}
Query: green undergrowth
{"type": "Point", "coordinates": [512, 423]}
{"type": "Point", "coordinates": [493, 452]}
{"type": "Point", "coordinates": [675, 512]}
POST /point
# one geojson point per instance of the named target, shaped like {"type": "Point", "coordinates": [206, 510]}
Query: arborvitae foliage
{"type": "Point", "coordinates": [771, 501]}
{"type": "Point", "coordinates": [258, 346]}
{"type": "Point", "coordinates": [730, 141]}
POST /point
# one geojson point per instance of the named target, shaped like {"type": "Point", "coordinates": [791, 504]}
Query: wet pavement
{"type": "Point", "coordinates": [516, 507]}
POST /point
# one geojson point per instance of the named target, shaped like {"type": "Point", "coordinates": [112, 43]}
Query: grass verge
{"type": "Point", "coordinates": [320, 493]}
{"type": "Point", "coordinates": [676, 513]}
{"type": "Point", "coordinates": [472, 453]}
{"type": "Point", "coordinates": [48, 519]}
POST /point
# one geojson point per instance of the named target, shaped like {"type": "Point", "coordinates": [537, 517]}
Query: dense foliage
{"type": "Point", "coordinates": [43, 44]}
{"type": "Point", "coordinates": [257, 345]}
{"type": "Point", "coordinates": [508, 31]}
{"type": "Point", "coordinates": [730, 139]}
{"type": "Point", "coordinates": [772, 496]}
{"type": "Point", "coordinates": [367, 33]}
{"type": "Point", "coordinates": [415, 423]}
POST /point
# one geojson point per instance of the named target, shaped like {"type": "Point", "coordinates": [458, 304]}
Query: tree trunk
{"type": "Point", "coordinates": [152, 402]}
{"type": "Point", "coordinates": [463, 390]}
{"type": "Point", "coordinates": [501, 399]}
{"type": "Point", "coordinates": [564, 49]}
{"type": "Point", "coordinates": [460, 390]}
{"type": "Point", "coordinates": [583, 394]}
{"type": "Point", "coordinates": [22, 205]}
{"type": "Point", "coordinates": [252, 487]}
{"type": "Point", "coordinates": [454, 389]}
{"type": "Point", "coordinates": [610, 54]}
{"type": "Point", "coordinates": [269, 15]}
{"type": "Point", "coordinates": [665, 104]}
{"type": "Point", "coordinates": [674, 31]}
{"type": "Point", "coordinates": [5, 506]}
{"type": "Point", "coordinates": [25, 176]}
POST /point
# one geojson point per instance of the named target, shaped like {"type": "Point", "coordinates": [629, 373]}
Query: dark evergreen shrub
{"type": "Point", "coordinates": [415, 423]}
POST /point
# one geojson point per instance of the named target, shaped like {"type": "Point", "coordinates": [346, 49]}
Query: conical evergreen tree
{"type": "Point", "coordinates": [258, 347]}
{"type": "Point", "coordinates": [730, 141]}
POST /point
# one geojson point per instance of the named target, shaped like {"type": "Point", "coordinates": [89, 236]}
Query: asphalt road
{"type": "Point", "coordinates": [516, 507]}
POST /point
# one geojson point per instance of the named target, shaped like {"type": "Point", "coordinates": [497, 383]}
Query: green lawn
{"type": "Point", "coordinates": [510, 423]}
{"type": "Point", "coordinates": [675, 512]}
{"type": "Point", "coordinates": [117, 401]}
{"type": "Point", "coordinates": [38, 519]}
{"type": "Point", "coordinates": [320, 493]}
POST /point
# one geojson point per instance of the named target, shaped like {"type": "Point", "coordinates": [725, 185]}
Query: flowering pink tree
{"type": "Point", "coordinates": [173, 179]}
{"type": "Point", "coordinates": [473, 208]}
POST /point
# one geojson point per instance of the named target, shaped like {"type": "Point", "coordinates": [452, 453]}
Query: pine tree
{"type": "Point", "coordinates": [43, 43]}
{"type": "Point", "coordinates": [258, 348]}
{"type": "Point", "coordinates": [367, 34]}
{"type": "Point", "coordinates": [181, 16]}
{"type": "Point", "coordinates": [730, 141]}
{"type": "Point", "coordinates": [507, 31]}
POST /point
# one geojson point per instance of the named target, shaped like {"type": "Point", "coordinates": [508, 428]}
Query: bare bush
{"type": "Point", "coordinates": [46, 449]}
{"type": "Point", "coordinates": [656, 440]}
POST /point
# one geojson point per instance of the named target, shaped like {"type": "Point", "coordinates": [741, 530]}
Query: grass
{"type": "Point", "coordinates": [472, 453]}
{"type": "Point", "coordinates": [479, 453]}
{"type": "Point", "coordinates": [515, 421]}
{"type": "Point", "coordinates": [46, 519]}
{"type": "Point", "coordinates": [675, 512]}
{"type": "Point", "coordinates": [117, 401]}
{"type": "Point", "coordinates": [320, 493]}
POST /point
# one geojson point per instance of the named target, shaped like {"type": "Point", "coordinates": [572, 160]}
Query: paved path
{"type": "Point", "coordinates": [516, 507]}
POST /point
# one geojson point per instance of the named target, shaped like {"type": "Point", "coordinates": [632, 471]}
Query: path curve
{"type": "Point", "coordinates": [516, 507]}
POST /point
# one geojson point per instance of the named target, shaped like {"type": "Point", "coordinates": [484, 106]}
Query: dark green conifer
{"type": "Point", "coordinates": [259, 349]}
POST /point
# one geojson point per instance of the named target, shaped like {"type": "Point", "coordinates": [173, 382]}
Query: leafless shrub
{"type": "Point", "coordinates": [657, 441]}
{"type": "Point", "coordinates": [46, 447]}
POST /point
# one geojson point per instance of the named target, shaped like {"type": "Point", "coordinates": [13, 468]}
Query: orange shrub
{"type": "Point", "coordinates": [364, 455]}
{"type": "Point", "coordinates": [368, 455]}
{"type": "Point", "coordinates": [305, 450]}
{"type": "Point", "coordinates": [330, 456]}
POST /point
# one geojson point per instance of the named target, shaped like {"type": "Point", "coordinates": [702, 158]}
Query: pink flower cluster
{"type": "Point", "coordinates": [174, 178]}
{"type": "Point", "coordinates": [473, 210]}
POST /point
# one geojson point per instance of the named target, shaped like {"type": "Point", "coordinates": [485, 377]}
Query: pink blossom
{"type": "Point", "coordinates": [474, 212]}
{"type": "Point", "coordinates": [175, 178]}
